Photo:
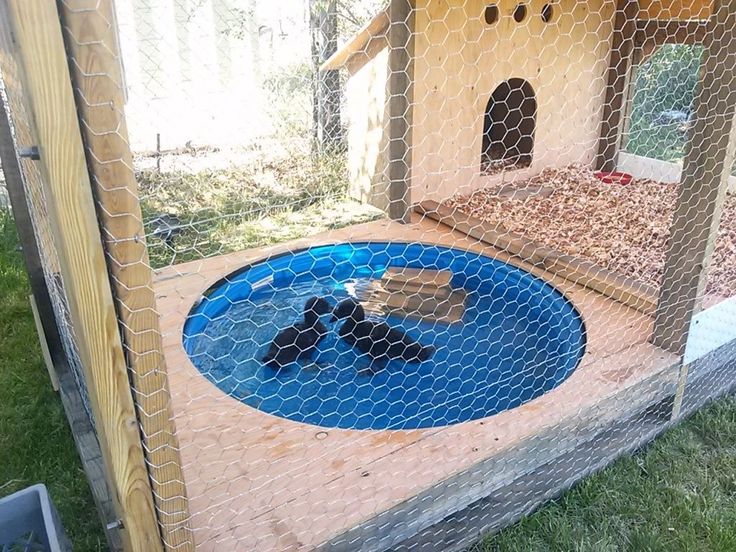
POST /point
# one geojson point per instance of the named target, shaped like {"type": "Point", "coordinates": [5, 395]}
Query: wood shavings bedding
{"type": "Point", "coordinates": [621, 228]}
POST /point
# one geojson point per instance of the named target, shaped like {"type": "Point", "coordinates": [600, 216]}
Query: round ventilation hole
{"type": "Point", "coordinates": [520, 13]}
{"type": "Point", "coordinates": [491, 14]}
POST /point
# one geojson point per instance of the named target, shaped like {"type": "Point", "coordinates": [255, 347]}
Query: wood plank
{"type": "Point", "coordinates": [71, 211]}
{"type": "Point", "coordinates": [671, 32]}
{"type": "Point", "coordinates": [44, 345]}
{"type": "Point", "coordinates": [233, 448]}
{"type": "Point", "coordinates": [416, 276]}
{"type": "Point", "coordinates": [400, 107]}
{"type": "Point", "coordinates": [93, 45]}
{"type": "Point", "coordinates": [708, 164]}
{"type": "Point", "coordinates": [446, 310]}
{"type": "Point", "coordinates": [523, 495]}
{"type": "Point", "coordinates": [635, 294]}
{"type": "Point", "coordinates": [619, 73]}
{"type": "Point", "coordinates": [360, 43]}
{"type": "Point", "coordinates": [31, 239]}
{"type": "Point", "coordinates": [683, 10]}
{"type": "Point", "coordinates": [19, 185]}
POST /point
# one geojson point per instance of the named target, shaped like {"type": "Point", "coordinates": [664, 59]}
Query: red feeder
{"type": "Point", "coordinates": [614, 177]}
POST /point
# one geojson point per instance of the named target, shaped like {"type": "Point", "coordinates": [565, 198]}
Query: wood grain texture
{"type": "Point", "coordinates": [44, 344]}
{"type": "Point", "coordinates": [82, 266]}
{"type": "Point", "coordinates": [92, 44]}
{"type": "Point", "coordinates": [705, 174]}
{"type": "Point", "coordinates": [521, 496]}
{"type": "Point", "coordinates": [19, 112]}
{"type": "Point", "coordinates": [682, 10]}
{"type": "Point", "coordinates": [355, 476]}
{"type": "Point", "coordinates": [359, 44]}
{"type": "Point", "coordinates": [632, 293]}
{"type": "Point", "coordinates": [619, 74]}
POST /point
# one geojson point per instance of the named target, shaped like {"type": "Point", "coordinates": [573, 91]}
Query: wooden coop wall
{"type": "Point", "coordinates": [367, 109]}
{"type": "Point", "coordinates": [459, 61]}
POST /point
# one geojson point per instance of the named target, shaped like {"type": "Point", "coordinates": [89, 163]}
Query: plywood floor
{"type": "Point", "coordinates": [262, 483]}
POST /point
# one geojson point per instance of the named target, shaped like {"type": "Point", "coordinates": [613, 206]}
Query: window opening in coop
{"type": "Point", "coordinates": [520, 13]}
{"type": "Point", "coordinates": [508, 129]}
{"type": "Point", "coordinates": [491, 14]}
{"type": "Point", "coordinates": [662, 113]}
{"type": "Point", "coordinates": [547, 13]}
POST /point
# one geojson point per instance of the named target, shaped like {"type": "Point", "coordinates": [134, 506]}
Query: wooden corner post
{"type": "Point", "coordinates": [708, 163]}
{"type": "Point", "coordinates": [617, 86]}
{"type": "Point", "coordinates": [92, 46]}
{"type": "Point", "coordinates": [71, 211]}
{"type": "Point", "coordinates": [401, 99]}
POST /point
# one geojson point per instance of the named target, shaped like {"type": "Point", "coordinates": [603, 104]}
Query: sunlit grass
{"type": "Point", "coordinates": [36, 444]}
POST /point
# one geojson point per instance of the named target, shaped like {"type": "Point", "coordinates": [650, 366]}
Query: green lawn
{"type": "Point", "coordinates": [35, 441]}
{"type": "Point", "coordinates": [679, 494]}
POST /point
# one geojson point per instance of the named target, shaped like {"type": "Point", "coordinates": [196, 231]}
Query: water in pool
{"type": "Point", "coordinates": [518, 339]}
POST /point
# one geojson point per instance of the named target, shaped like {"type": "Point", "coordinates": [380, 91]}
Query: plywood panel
{"type": "Point", "coordinates": [246, 469]}
{"type": "Point", "coordinates": [461, 60]}
{"type": "Point", "coordinates": [367, 111]}
{"type": "Point", "coordinates": [676, 9]}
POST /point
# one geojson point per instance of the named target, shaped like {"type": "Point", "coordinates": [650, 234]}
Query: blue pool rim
{"type": "Point", "coordinates": [195, 314]}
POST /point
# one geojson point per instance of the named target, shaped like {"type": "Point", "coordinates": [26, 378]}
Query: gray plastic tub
{"type": "Point", "coordinates": [29, 523]}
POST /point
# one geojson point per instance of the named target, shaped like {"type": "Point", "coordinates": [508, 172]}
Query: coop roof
{"type": "Point", "coordinates": [367, 42]}
{"type": "Point", "coordinates": [372, 38]}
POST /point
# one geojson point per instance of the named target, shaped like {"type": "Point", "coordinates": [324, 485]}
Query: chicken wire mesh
{"type": "Point", "coordinates": [416, 267]}
{"type": "Point", "coordinates": [35, 203]}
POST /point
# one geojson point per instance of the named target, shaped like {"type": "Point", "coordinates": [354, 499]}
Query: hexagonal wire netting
{"type": "Point", "coordinates": [417, 266]}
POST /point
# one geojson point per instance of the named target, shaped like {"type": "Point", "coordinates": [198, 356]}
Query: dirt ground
{"type": "Point", "coordinates": [624, 228]}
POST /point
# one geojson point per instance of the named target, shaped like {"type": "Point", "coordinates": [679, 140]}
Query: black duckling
{"type": "Point", "coordinates": [377, 339]}
{"type": "Point", "coordinates": [299, 340]}
{"type": "Point", "coordinates": [167, 227]}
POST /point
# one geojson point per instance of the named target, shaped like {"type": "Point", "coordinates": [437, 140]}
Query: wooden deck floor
{"type": "Point", "coordinates": [259, 482]}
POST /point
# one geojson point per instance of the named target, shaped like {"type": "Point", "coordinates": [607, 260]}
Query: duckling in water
{"type": "Point", "coordinates": [299, 340]}
{"type": "Point", "coordinates": [378, 340]}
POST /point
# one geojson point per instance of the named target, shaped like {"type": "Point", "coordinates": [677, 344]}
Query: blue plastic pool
{"type": "Point", "coordinates": [519, 338]}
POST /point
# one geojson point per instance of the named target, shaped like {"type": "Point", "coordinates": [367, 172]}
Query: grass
{"type": "Point", "coordinates": [663, 142]}
{"type": "Point", "coordinates": [35, 441]}
{"type": "Point", "coordinates": [269, 196]}
{"type": "Point", "coordinates": [677, 495]}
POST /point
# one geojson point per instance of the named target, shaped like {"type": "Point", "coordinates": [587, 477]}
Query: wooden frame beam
{"type": "Point", "coordinates": [652, 34]}
{"type": "Point", "coordinates": [708, 164]}
{"type": "Point", "coordinates": [92, 46]}
{"type": "Point", "coordinates": [619, 73]}
{"type": "Point", "coordinates": [401, 98]}
{"type": "Point", "coordinates": [20, 184]}
{"type": "Point", "coordinates": [71, 211]}
{"type": "Point", "coordinates": [671, 32]}
{"type": "Point", "coordinates": [360, 43]}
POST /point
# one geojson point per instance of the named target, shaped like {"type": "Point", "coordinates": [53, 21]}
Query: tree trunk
{"type": "Point", "coordinates": [327, 129]}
